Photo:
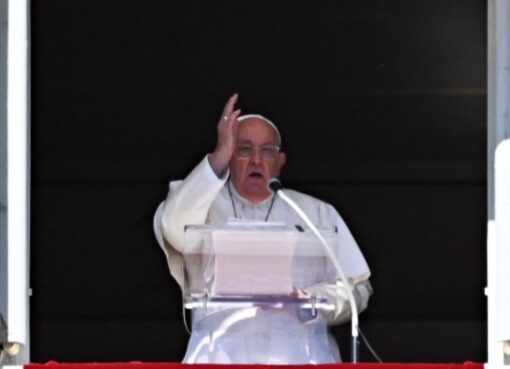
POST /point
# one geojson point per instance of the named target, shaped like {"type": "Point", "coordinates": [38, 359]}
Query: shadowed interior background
{"type": "Point", "coordinates": [382, 107]}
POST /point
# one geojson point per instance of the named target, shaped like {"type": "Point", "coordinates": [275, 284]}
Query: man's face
{"type": "Point", "coordinates": [249, 175]}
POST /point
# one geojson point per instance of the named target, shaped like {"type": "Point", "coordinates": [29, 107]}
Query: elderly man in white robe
{"type": "Point", "coordinates": [231, 182]}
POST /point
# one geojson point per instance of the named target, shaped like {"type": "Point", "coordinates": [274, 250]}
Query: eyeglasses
{"type": "Point", "coordinates": [267, 152]}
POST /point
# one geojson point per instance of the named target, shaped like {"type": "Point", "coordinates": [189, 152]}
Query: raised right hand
{"type": "Point", "coordinates": [227, 133]}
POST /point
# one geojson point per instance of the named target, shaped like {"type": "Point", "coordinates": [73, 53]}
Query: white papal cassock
{"type": "Point", "coordinates": [257, 335]}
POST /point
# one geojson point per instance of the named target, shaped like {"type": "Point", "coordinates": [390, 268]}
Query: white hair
{"type": "Point", "coordinates": [271, 124]}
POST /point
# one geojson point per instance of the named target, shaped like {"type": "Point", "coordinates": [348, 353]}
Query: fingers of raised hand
{"type": "Point", "coordinates": [228, 110]}
{"type": "Point", "coordinates": [228, 126]}
{"type": "Point", "coordinates": [233, 116]}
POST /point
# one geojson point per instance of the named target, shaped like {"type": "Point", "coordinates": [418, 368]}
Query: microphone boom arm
{"type": "Point", "coordinates": [336, 264]}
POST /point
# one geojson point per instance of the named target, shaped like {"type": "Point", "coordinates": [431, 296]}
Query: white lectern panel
{"type": "Point", "coordinates": [246, 284]}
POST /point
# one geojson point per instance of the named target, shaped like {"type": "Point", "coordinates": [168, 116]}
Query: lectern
{"type": "Point", "coordinates": [254, 292]}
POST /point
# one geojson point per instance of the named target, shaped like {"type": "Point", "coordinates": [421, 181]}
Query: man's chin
{"type": "Point", "coordinates": [255, 189]}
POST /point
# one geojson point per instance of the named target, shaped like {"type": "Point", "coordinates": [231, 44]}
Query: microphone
{"type": "Point", "coordinates": [274, 185]}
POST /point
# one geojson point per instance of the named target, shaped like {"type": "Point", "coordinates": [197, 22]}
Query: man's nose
{"type": "Point", "coordinates": [256, 158]}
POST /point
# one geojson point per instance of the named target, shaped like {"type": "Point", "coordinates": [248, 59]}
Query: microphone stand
{"type": "Point", "coordinates": [275, 186]}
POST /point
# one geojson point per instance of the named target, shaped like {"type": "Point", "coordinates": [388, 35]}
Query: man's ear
{"type": "Point", "coordinates": [282, 159]}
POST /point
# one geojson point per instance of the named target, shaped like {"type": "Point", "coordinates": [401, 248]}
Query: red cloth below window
{"type": "Point", "coordinates": [142, 365]}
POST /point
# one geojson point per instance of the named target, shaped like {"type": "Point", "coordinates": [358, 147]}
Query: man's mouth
{"type": "Point", "coordinates": [255, 175]}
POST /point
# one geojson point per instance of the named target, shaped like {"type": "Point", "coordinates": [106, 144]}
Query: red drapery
{"type": "Point", "coordinates": [142, 365]}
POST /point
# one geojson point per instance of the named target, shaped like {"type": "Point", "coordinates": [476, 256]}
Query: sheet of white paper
{"type": "Point", "coordinates": [253, 263]}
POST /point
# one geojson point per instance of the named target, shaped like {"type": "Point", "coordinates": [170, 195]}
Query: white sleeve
{"type": "Point", "coordinates": [355, 268]}
{"type": "Point", "coordinates": [188, 202]}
